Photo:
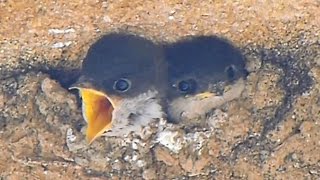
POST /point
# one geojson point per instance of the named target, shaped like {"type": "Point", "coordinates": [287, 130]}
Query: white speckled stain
{"type": "Point", "coordinates": [61, 44]}
{"type": "Point", "coordinates": [197, 139]}
{"type": "Point", "coordinates": [70, 136]}
{"type": "Point", "coordinates": [175, 142]}
{"type": "Point", "coordinates": [168, 139]}
{"type": "Point", "coordinates": [61, 31]}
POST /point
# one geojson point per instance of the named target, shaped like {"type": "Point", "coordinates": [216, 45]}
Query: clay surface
{"type": "Point", "coordinates": [271, 131]}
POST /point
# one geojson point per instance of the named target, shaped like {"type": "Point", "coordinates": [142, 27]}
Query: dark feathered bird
{"type": "Point", "coordinates": [122, 85]}
{"type": "Point", "coordinates": [204, 73]}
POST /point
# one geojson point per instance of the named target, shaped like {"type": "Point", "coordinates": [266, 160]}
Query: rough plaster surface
{"type": "Point", "coordinates": [270, 132]}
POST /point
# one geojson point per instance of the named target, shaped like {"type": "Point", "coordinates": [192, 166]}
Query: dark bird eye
{"type": "Point", "coordinates": [121, 85]}
{"type": "Point", "coordinates": [231, 73]}
{"type": "Point", "coordinates": [187, 86]}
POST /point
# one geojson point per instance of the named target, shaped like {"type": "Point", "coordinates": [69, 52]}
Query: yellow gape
{"type": "Point", "coordinates": [97, 111]}
{"type": "Point", "coordinates": [205, 95]}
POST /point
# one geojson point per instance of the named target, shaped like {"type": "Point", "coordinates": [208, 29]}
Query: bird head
{"type": "Point", "coordinates": [204, 72]}
{"type": "Point", "coordinates": [121, 85]}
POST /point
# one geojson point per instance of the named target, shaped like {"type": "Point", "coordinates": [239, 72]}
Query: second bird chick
{"type": "Point", "coordinates": [204, 72]}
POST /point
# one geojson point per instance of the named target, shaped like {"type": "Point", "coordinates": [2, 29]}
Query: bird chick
{"type": "Point", "coordinates": [205, 72]}
{"type": "Point", "coordinates": [122, 85]}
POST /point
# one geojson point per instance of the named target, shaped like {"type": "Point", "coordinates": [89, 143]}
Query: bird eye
{"type": "Point", "coordinates": [231, 72]}
{"type": "Point", "coordinates": [121, 85]}
{"type": "Point", "coordinates": [187, 86]}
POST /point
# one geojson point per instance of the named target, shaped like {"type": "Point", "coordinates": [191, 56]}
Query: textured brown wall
{"type": "Point", "coordinates": [271, 132]}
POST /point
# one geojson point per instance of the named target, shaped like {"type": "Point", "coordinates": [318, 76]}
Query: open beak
{"type": "Point", "coordinates": [97, 110]}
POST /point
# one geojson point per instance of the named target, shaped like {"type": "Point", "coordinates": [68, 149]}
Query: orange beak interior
{"type": "Point", "coordinates": [97, 111]}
